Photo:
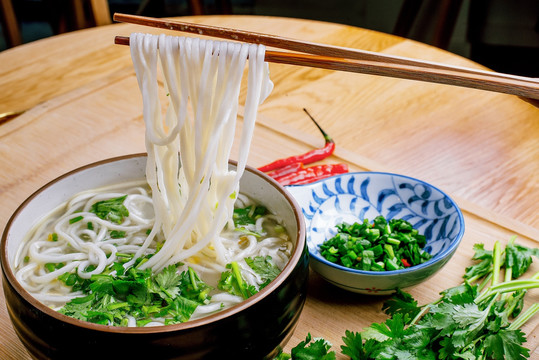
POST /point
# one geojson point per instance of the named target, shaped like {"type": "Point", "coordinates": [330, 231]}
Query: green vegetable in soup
{"type": "Point", "coordinates": [264, 267]}
{"type": "Point", "coordinates": [248, 215]}
{"type": "Point", "coordinates": [233, 283]}
{"type": "Point", "coordinates": [111, 209]}
{"type": "Point", "coordinates": [111, 298]}
{"type": "Point", "coordinates": [117, 293]}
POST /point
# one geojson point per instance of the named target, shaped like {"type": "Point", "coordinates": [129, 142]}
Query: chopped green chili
{"type": "Point", "coordinates": [378, 246]}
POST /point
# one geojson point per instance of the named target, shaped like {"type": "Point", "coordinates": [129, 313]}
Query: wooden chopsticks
{"type": "Point", "coordinates": [351, 60]}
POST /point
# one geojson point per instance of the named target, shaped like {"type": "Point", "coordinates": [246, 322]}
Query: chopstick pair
{"type": "Point", "coordinates": [351, 60]}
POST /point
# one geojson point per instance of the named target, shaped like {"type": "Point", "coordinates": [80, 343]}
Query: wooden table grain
{"type": "Point", "coordinates": [81, 104]}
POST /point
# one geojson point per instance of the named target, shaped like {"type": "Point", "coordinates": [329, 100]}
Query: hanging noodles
{"type": "Point", "coordinates": [209, 75]}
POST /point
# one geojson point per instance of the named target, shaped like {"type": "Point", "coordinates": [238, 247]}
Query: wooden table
{"type": "Point", "coordinates": [482, 148]}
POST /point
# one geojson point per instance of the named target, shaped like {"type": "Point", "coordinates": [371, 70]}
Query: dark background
{"type": "Point", "coordinates": [500, 34]}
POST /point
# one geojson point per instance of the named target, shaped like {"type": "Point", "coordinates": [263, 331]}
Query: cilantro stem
{"type": "Point", "coordinates": [473, 344]}
{"type": "Point", "coordinates": [423, 311]}
{"type": "Point", "coordinates": [525, 316]}
{"type": "Point", "coordinates": [142, 262]}
{"type": "Point", "coordinates": [237, 274]}
{"type": "Point", "coordinates": [509, 270]}
{"type": "Point", "coordinates": [512, 301]}
{"type": "Point", "coordinates": [485, 282]}
{"type": "Point", "coordinates": [192, 278]}
{"type": "Point", "coordinates": [496, 257]}
{"type": "Point", "coordinates": [512, 285]}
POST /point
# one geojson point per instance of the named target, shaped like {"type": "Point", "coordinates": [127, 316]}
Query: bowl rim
{"type": "Point", "coordinates": [434, 260]}
{"type": "Point", "coordinates": [223, 314]}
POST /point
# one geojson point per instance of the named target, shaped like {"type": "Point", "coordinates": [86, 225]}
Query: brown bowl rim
{"type": "Point", "coordinates": [294, 259]}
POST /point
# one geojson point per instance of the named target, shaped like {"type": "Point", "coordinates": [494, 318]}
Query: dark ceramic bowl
{"type": "Point", "coordinates": [253, 329]}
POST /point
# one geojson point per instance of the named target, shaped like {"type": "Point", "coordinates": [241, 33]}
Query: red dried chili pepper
{"type": "Point", "coordinates": [288, 169]}
{"type": "Point", "coordinates": [308, 157]}
{"type": "Point", "coordinates": [405, 262]}
{"type": "Point", "coordinates": [312, 173]}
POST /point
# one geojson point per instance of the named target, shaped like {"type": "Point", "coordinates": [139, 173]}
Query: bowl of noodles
{"type": "Point", "coordinates": [64, 244]}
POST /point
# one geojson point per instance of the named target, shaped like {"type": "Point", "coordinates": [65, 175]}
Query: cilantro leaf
{"type": "Point", "coordinates": [264, 267]}
{"type": "Point", "coordinates": [317, 350]}
{"type": "Point", "coordinates": [461, 294]}
{"type": "Point", "coordinates": [519, 258]}
{"type": "Point", "coordinates": [506, 344]}
{"type": "Point", "coordinates": [180, 309]}
{"type": "Point", "coordinates": [482, 268]}
{"type": "Point", "coordinates": [78, 307]}
{"type": "Point", "coordinates": [167, 281]}
{"type": "Point", "coordinates": [401, 303]}
{"type": "Point", "coordinates": [353, 346]}
{"type": "Point", "coordinates": [391, 328]}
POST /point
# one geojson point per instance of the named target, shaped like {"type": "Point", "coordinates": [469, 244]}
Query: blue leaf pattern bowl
{"type": "Point", "coordinates": [353, 197]}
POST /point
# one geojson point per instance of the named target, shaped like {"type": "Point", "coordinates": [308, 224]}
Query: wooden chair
{"type": "Point", "coordinates": [196, 7]}
{"type": "Point", "coordinates": [445, 21]}
{"type": "Point", "coordinates": [69, 15]}
{"type": "Point", "coordinates": [78, 14]}
{"type": "Point", "coordinates": [10, 26]}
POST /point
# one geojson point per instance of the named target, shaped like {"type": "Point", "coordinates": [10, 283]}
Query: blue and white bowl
{"type": "Point", "coordinates": [353, 197]}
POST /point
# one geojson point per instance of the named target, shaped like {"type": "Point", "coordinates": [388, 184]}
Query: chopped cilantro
{"type": "Point", "coordinates": [112, 209]}
{"type": "Point", "coordinates": [117, 234]}
{"type": "Point", "coordinates": [50, 267]}
{"type": "Point", "coordinates": [248, 232]}
{"type": "Point", "coordinates": [75, 219]}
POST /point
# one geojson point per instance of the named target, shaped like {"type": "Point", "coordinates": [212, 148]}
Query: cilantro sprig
{"type": "Point", "coordinates": [307, 350]}
{"type": "Point", "coordinates": [477, 320]}
{"type": "Point", "coordinates": [378, 246]}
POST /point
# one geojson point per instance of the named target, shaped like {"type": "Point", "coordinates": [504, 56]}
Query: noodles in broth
{"type": "Point", "coordinates": [187, 220]}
